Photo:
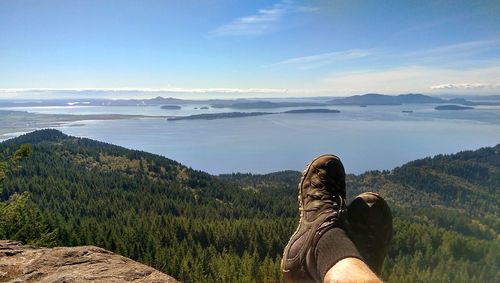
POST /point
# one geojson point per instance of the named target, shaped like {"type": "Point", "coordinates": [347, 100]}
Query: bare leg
{"type": "Point", "coordinates": [320, 249]}
{"type": "Point", "coordinates": [350, 270]}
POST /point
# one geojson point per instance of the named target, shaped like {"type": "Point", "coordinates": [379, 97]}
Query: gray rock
{"type": "Point", "coordinates": [24, 263]}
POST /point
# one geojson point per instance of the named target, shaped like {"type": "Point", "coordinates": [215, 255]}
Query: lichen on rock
{"type": "Point", "coordinates": [24, 263]}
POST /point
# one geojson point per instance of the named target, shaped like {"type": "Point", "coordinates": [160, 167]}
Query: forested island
{"type": "Point", "coordinates": [382, 99]}
{"type": "Point", "coordinates": [202, 228]}
{"type": "Point", "coordinates": [266, 104]}
{"type": "Point", "coordinates": [308, 111]}
{"type": "Point", "coordinates": [228, 115]}
{"type": "Point", "coordinates": [359, 100]}
{"type": "Point", "coordinates": [452, 107]}
{"type": "Point", "coordinates": [213, 116]}
{"type": "Point", "coordinates": [171, 107]}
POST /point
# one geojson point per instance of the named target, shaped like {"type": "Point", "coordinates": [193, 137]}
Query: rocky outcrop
{"type": "Point", "coordinates": [23, 263]}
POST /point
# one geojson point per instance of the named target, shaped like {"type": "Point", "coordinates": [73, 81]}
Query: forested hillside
{"type": "Point", "coordinates": [232, 228]}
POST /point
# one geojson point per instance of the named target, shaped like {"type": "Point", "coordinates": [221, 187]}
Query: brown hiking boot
{"type": "Point", "coordinates": [370, 228]}
{"type": "Point", "coordinates": [322, 206]}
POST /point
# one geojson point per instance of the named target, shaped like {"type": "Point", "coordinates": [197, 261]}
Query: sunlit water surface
{"type": "Point", "coordinates": [375, 137]}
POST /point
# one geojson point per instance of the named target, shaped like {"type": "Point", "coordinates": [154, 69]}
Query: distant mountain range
{"type": "Point", "coordinates": [365, 99]}
{"type": "Point", "coordinates": [381, 99]}
{"type": "Point", "coordinates": [359, 100]}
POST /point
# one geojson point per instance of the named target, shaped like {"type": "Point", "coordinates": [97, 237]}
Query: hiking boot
{"type": "Point", "coordinates": [369, 221]}
{"type": "Point", "coordinates": [322, 206]}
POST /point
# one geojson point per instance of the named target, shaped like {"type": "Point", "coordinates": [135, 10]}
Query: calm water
{"type": "Point", "coordinates": [378, 137]}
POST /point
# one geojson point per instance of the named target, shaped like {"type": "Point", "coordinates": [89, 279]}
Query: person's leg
{"type": "Point", "coordinates": [350, 270]}
{"type": "Point", "coordinates": [320, 244]}
{"type": "Point", "coordinates": [370, 228]}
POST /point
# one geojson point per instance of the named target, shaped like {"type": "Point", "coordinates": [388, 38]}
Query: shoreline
{"type": "Point", "coordinates": [14, 123]}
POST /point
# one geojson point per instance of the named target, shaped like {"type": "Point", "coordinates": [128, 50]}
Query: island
{"type": "Point", "coordinates": [171, 107]}
{"type": "Point", "coordinates": [363, 100]}
{"type": "Point", "coordinates": [213, 116]}
{"type": "Point", "coordinates": [304, 111]}
{"type": "Point", "coordinates": [228, 115]}
{"type": "Point", "coordinates": [266, 105]}
{"type": "Point", "coordinates": [383, 99]}
{"type": "Point", "coordinates": [407, 111]}
{"type": "Point", "coordinates": [204, 107]}
{"type": "Point", "coordinates": [357, 100]}
{"type": "Point", "coordinates": [452, 107]}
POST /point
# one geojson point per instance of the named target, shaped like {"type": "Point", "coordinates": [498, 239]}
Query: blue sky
{"type": "Point", "coordinates": [249, 48]}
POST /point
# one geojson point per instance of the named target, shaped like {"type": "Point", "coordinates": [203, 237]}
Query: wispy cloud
{"type": "Point", "coordinates": [263, 22]}
{"type": "Point", "coordinates": [457, 51]}
{"type": "Point", "coordinates": [425, 26]}
{"type": "Point", "coordinates": [319, 60]}
{"type": "Point", "coordinates": [415, 79]}
{"type": "Point", "coordinates": [166, 90]}
{"type": "Point", "coordinates": [459, 54]}
{"type": "Point", "coordinates": [466, 86]}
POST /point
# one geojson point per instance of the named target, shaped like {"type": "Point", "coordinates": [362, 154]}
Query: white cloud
{"type": "Point", "coordinates": [205, 93]}
{"type": "Point", "coordinates": [412, 79]}
{"type": "Point", "coordinates": [263, 22]}
{"type": "Point", "coordinates": [166, 90]}
{"type": "Point", "coordinates": [460, 67]}
{"type": "Point", "coordinates": [466, 86]}
{"type": "Point", "coordinates": [319, 60]}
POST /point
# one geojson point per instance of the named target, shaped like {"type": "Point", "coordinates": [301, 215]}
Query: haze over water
{"type": "Point", "coordinates": [371, 138]}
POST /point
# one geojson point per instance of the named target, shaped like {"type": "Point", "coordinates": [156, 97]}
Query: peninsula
{"type": "Point", "coordinates": [23, 121]}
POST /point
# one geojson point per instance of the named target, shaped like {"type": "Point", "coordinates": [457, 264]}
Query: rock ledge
{"type": "Point", "coordinates": [24, 263]}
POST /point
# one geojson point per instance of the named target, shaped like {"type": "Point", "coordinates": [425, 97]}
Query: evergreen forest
{"type": "Point", "coordinates": [198, 227]}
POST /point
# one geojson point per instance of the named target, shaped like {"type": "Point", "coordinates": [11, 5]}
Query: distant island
{"type": "Point", "coordinates": [228, 115]}
{"type": "Point", "coordinates": [171, 107]}
{"type": "Point", "coordinates": [213, 116]}
{"type": "Point", "coordinates": [452, 107]}
{"type": "Point", "coordinates": [204, 107]}
{"type": "Point", "coordinates": [303, 111]}
{"type": "Point", "coordinates": [357, 100]}
{"type": "Point", "coordinates": [266, 104]}
{"type": "Point", "coordinates": [382, 99]}
{"type": "Point", "coordinates": [407, 111]}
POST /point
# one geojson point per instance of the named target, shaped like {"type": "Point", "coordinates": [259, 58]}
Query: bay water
{"type": "Point", "coordinates": [366, 138]}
